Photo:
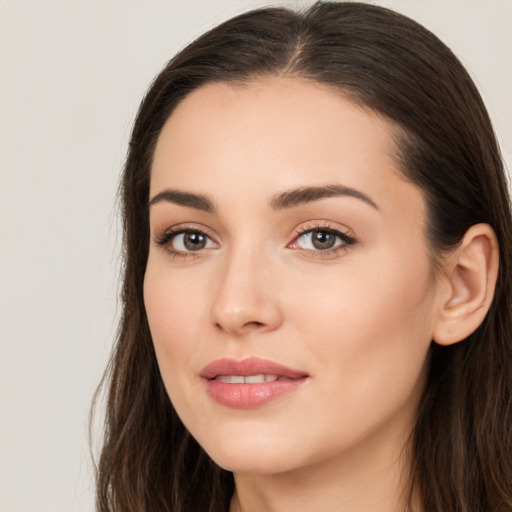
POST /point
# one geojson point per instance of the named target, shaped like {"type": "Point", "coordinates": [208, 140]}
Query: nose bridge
{"type": "Point", "coordinates": [244, 298]}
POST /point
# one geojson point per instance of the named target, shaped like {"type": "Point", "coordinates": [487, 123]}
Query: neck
{"type": "Point", "coordinates": [369, 479]}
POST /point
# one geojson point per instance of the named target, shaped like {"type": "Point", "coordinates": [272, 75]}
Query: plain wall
{"type": "Point", "coordinates": [72, 73]}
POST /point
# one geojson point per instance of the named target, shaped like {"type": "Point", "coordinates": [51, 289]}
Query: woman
{"type": "Point", "coordinates": [317, 263]}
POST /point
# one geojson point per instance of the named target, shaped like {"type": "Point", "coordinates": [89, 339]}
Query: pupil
{"type": "Point", "coordinates": [323, 240]}
{"type": "Point", "coordinates": [194, 241]}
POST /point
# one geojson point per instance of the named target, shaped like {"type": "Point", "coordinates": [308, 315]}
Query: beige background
{"type": "Point", "coordinates": [72, 73]}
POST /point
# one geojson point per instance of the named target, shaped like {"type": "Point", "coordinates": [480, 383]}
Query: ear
{"type": "Point", "coordinates": [470, 271]}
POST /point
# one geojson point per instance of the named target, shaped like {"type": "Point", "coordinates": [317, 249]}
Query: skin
{"type": "Point", "coordinates": [359, 321]}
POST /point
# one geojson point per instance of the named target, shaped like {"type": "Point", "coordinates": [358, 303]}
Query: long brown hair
{"type": "Point", "coordinates": [462, 443]}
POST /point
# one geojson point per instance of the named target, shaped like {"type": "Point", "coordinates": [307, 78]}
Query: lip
{"type": "Point", "coordinates": [249, 396]}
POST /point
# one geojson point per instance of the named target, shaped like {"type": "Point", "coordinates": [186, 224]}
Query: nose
{"type": "Point", "coordinates": [246, 298]}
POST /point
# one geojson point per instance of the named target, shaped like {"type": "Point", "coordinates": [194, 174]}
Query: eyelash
{"type": "Point", "coordinates": [164, 240]}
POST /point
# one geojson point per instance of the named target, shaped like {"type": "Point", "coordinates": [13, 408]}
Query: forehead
{"type": "Point", "coordinates": [272, 134]}
{"type": "Point", "coordinates": [292, 113]}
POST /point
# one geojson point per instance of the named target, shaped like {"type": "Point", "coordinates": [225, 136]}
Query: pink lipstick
{"type": "Point", "coordinates": [249, 383]}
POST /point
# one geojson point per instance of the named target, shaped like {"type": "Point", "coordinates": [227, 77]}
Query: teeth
{"type": "Point", "coordinates": [248, 379]}
{"type": "Point", "coordinates": [254, 379]}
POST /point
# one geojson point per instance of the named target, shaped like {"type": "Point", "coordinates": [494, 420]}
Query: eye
{"type": "Point", "coordinates": [319, 240]}
{"type": "Point", "coordinates": [322, 239]}
{"type": "Point", "coordinates": [190, 241]}
{"type": "Point", "coordinates": [184, 241]}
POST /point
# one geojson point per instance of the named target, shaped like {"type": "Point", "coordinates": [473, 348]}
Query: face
{"type": "Point", "coordinates": [288, 288]}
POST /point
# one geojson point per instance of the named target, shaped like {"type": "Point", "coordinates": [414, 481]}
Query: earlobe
{"type": "Point", "coordinates": [470, 272]}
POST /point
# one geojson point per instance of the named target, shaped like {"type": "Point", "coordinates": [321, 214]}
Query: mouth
{"type": "Point", "coordinates": [247, 379]}
{"type": "Point", "coordinates": [249, 383]}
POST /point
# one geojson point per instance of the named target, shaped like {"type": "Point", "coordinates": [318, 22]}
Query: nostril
{"type": "Point", "coordinates": [254, 324]}
{"type": "Point", "coordinates": [244, 327]}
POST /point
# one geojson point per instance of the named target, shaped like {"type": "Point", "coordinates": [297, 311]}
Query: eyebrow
{"type": "Point", "coordinates": [283, 200]}
{"type": "Point", "coordinates": [197, 201]}
{"type": "Point", "coordinates": [303, 195]}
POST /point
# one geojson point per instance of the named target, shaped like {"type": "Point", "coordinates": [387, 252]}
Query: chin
{"type": "Point", "coordinates": [260, 465]}
{"type": "Point", "coordinates": [257, 456]}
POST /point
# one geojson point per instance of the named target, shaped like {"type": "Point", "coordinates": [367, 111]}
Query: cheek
{"type": "Point", "coordinates": [372, 329]}
{"type": "Point", "coordinates": [176, 311]}
{"type": "Point", "coordinates": [353, 303]}
{"type": "Point", "coordinates": [174, 300]}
